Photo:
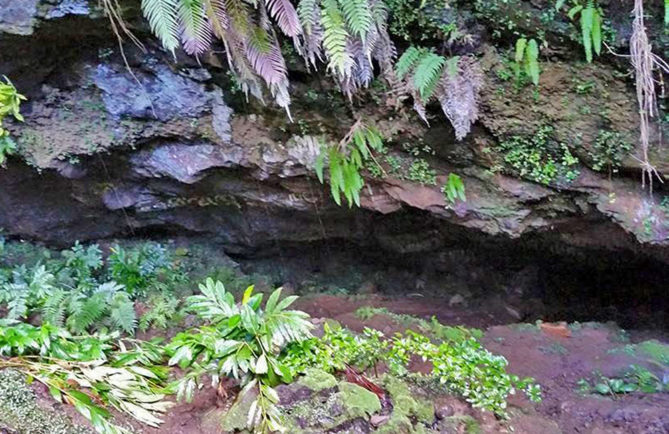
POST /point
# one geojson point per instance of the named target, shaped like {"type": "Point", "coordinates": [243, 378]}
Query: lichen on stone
{"type": "Point", "coordinates": [21, 413]}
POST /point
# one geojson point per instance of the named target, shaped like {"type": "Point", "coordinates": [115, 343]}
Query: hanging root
{"type": "Point", "coordinates": [644, 62]}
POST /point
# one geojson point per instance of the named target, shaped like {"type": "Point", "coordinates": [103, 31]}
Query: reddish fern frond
{"type": "Point", "coordinates": [195, 29]}
{"type": "Point", "coordinates": [286, 16]}
{"type": "Point", "coordinates": [458, 95]}
{"type": "Point", "coordinates": [265, 57]}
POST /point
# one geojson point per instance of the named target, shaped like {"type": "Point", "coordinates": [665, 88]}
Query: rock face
{"type": "Point", "coordinates": [171, 147]}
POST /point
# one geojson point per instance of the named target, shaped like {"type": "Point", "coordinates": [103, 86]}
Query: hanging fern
{"type": "Point", "coordinates": [351, 34]}
{"type": "Point", "coordinates": [590, 20]}
{"type": "Point", "coordinates": [346, 160]}
{"type": "Point", "coordinates": [455, 83]}
{"type": "Point", "coordinates": [162, 18]}
{"type": "Point", "coordinates": [427, 74]}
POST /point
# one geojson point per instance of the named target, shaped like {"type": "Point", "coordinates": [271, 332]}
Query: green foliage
{"type": "Point", "coordinates": [636, 379]}
{"type": "Point", "coordinates": [426, 68]}
{"type": "Point", "coordinates": [454, 189]}
{"type": "Point", "coordinates": [420, 20]}
{"type": "Point", "coordinates": [241, 341]}
{"type": "Point", "coordinates": [420, 171]}
{"type": "Point", "coordinates": [591, 17]}
{"type": "Point", "coordinates": [463, 366]}
{"type": "Point", "coordinates": [74, 292]}
{"type": "Point", "coordinates": [346, 159]}
{"type": "Point", "coordinates": [10, 103]}
{"type": "Point", "coordinates": [539, 159]}
{"type": "Point", "coordinates": [608, 151]}
{"type": "Point", "coordinates": [142, 269]}
{"type": "Point", "coordinates": [91, 373]}
{"type": "Point", "coordinates": [527, 55]}
{"type": "Point", "coordinates": [163, 310]}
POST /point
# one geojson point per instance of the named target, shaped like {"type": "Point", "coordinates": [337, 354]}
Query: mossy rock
{"type": "Point", "coordinates": [358, 401]}
{"type": "Point", "coordinates": [21, 413]}
{"type": "Point", "coordinates": [235, 418]}
{"type": "Point", "coordinates": [458, 424]}
{"type": "Point", "coordinates": [408, 403]}
{"type": "Point", "coordinates": [317, 380]}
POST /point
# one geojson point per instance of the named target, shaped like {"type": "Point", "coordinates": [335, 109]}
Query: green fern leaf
{"type": "Point", "coordinates": [597, 31]}
{"type": "Point", "coordinates": [162, 18]}
{"type": "Point", "coordinates": [427, 74]}
{"type": "Point", "coordinates": [54, 308]}
{"type": "Point", "coordinates": [334, 39]}
{"type": "Point", "coordinates": [408, 60]}
{"type": "Point", "coordinates": [532, 62]}
{"type": "Point", "coordinates": [587, 15]}
{"type": "Point", "coordinates": [358, 16]}
{"type": "Point", "coordinates": [86, 312]}
{"type": "Point", "coordinates": [122, 313]}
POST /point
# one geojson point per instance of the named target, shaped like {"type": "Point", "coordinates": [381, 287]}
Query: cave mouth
{"type": "Point", "coordinates": [508, 280]}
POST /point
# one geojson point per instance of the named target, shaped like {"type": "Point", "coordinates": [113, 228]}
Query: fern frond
{"type": "Point", "coordinates": [162, 18]}
{"type": "Point", "coordinates": [55, 308]}
{"type": "Point", "coordinates": [122, 313]}
{"type": "Point", "coordinates": [358, 16]}
{"type": "Point", "coordinates": [310, 16]}
{"type": "Point", "coordinates": [286, 16]}
{"type": "Point", "coordinates": [85, 312]}
{"type": "Point", "coordinates": [408, 60]}
{"type": "Point", "coordinates": [334, 39]}
{"type": "Point", "coordinates": [195, 29]}
{"type": "Point", "coordinates": [265, 57]}
{"type": "Point", "coordinates": [427, 74]}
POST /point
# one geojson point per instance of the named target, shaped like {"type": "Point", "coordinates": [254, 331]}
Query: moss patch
{"type": "Point", "coordinates": [20, 412]}
{"type": "Point", "coordinates": [407, 402]}
{"type": "Point", "coordinates": [317, 380]}
{"type": "Point", "coordinates": [358, 401]}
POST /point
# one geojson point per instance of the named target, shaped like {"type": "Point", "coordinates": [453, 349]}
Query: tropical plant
{"type": "Point", "coordinates": [454, 189]}
{"type": "Point", "coordinates": [242, 341]}
{"type": "Point", "coordinates": [163, 309]}
{"type": "Point", "coordinates": [10, 103]}
{"type": "Point", "coordinates": [346, 159]}
{"type": "Point", "coordinates": [91, 373]}
{"type": "Point", "coordinates": [455, 83]}
{"type": "Point", "coordinates": [591, 17]}
{"type": "Point", "coordinates": [527, 56]}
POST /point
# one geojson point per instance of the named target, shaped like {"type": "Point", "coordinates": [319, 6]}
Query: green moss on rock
{"type": "Point", "coordinates": [358, 401]}
{"type": "Point", "coordinates": [407, 403]}
{"type": "Point", "coordinates": [317, 380]}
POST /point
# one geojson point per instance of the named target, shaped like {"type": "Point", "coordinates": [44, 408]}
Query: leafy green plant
{"type": "Point", "coordinates": [454, 189]}
{"type": "Point", "coordinates": [346, 159]}
{"type": "Point", "coordinates": [538, 158]}
{"type": "Point", "coordinates": [609, 150]}
{"type": "Point", "coordinates": [420, 171]}
{"type": "Point", "coordinates": [636, 379]}
{"type": "Point", "coordinates": [163, 310]}
{"type": "Point", "coordinates": [461, 365]}
{"type": "Point", "coordinates": [527, 56]}
{"type": "Point", "coordinates": [591, 17]}
{"type": "Point", "coordinates": [10, 104]}
{"type": "Point", "coordinates": [142, 270]}
{"type": "Point", "coordinates": [242, 341]}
